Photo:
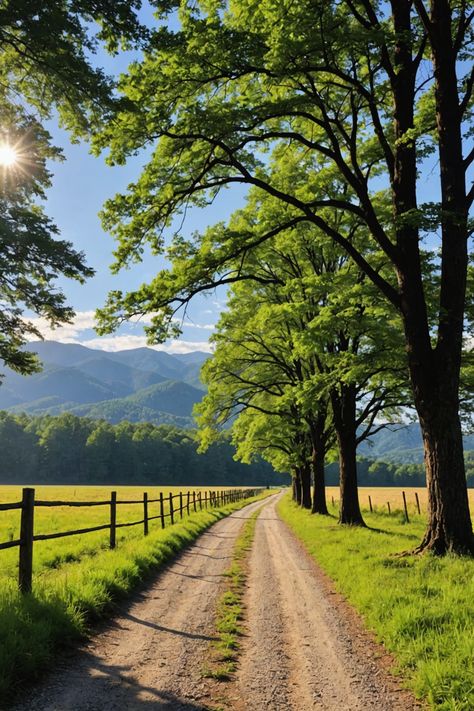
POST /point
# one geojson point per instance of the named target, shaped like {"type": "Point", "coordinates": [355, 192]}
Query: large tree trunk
{"type": "Point", "coordinates": [296, 484]}
{"type": "Point", "coordinates": [318, 439]}
{"type": "Point", "coordinates": [344, 414]}
{"type": "Point", "coordinates": [305, 475]}
{"type": "Point", "coordinates": [435, 370]}
{"type": "Point", "coordinates": [449, 523]}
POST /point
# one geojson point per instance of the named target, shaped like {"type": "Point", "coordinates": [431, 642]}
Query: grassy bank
{"type": "Point", "coordinates": [420, 607]}
{"type": "Point", "coordinates": [67, 599]}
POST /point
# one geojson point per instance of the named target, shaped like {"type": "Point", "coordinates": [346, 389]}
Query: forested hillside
{"type": "Point", "coordinates": [139, 385]}
{"type": "Point", "coordinates": [77, 450]}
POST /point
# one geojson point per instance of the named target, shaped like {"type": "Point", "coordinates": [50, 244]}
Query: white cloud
{"type": "Point", "coordinates": [126, 342]}
{"type": "Point", "coordinates": [83, 321]}
{"type": "Point", "coordinates": [192, 324]}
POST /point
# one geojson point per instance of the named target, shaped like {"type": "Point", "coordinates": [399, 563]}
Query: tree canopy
{"type": "Point", "coordinates": [46, 70]}
{"type": "Point", "coordinates": [359, 96]}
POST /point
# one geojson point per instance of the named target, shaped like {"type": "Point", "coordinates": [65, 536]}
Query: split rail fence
{"type": "Point", "coordinates": [177, 505]}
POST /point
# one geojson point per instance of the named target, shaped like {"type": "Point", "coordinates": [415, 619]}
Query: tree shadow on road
{"type": "Point", "coordinates": [92, 685]}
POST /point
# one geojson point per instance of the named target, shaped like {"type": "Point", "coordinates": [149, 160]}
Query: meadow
{"type": "Point", "coordinates": [50, 555]}
{"type": "Point", "coordinates": [77, 580]}
{"type": "Point", "coordinates": [420, 607]}
{"type": "Point", "coordinates": [380, 495]}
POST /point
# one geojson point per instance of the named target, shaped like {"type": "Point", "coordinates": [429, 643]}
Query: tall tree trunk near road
{"type": "Point", "coordinates": [449, 522]}
{"type": "Point", "coordinates": [434, 370]}
{"type": "Point", "coordinates": [319, 485]}
{"type": "Point", "coordinates": [305, 475]}
{"type": "Point", "coordinates": [318, 439]}
{"type": "Point", "coordinates": [296, 484]}
{"type": "Point", "coordinates": [344, 415]}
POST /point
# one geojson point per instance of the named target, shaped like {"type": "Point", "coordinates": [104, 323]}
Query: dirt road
{"type": "Point", "coordinates": [300, 652]}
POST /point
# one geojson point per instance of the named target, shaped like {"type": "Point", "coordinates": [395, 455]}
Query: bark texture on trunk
{"type": "Point", "coordinates": [344, 414]}
{"type": "Point", "coordinates": [434, 370]}
{"type": "Point", "coordinates": [305, 474]}
{"type": "Point", "coordinates": [449, 522]}
{"type": "Point", "coordinates": [296, 485]}
{"type": "Point", "coordinates": [318, 439]}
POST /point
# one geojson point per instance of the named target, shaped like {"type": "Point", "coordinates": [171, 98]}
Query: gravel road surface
{"type": "Point", "coordinates": [303, 649]}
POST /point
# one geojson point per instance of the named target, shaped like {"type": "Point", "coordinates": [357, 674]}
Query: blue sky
{"type": "Point", "coordinates": [81, 184]}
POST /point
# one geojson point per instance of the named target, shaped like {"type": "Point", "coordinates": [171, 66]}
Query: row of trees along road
{"type": "Point", "coordinates": [367, 96]}
{"type": "Point", "coordinates": [333, 111]}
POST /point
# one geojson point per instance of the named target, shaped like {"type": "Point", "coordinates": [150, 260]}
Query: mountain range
{"type": "Point", "coordinates": [145, 385]}
{"type": "Point", "coordinates": [138, 385]}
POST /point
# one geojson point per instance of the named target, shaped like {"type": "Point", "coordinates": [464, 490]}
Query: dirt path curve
{"type": "Point", "coordinates": [151, 656]}
{"type": "Point", "coordinates": [305, 648]}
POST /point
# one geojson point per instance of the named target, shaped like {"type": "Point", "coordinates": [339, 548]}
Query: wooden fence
{"type": "Point", "coordinates": [177, 505]}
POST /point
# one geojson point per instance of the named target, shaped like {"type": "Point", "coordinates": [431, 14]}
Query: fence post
{"type": "Point", "coordinates": [181, 504]}
{"type": "Point", "coordinates": [370, 504]}
{"type": "Point", "coordinates": [332, 500]}
{"type": "Point", "coordinates": [388, 506]}
{"type": "Point", "coordinates": [171, 509]}
{"type": "Point", "coordinates": [162, 510]}
{"type": "Point", "coordinates": [113, 517]}
{"type": "Point", "coordinates": [25, 570]}
{"type": "Point", "coordinates": [200, 501]}
{"type": "Point", "coordinates": [194, 500]}
{"type": "Point", "coordinates": [188, 496]}
{"type": "Point", "coordinates": [145, 513]}
{"type": "Point", "coordinates": [205, 499]}
{"type": "Point", "coordinates": [405, 507]}
{"type": "Point", "coordinates": [417, 502]}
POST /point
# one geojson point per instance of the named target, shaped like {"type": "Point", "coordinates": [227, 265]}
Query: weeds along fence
{"type": "Point", "coordinates": [170, 508]}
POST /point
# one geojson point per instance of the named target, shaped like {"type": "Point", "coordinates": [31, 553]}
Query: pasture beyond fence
{"type": "Point", "coordinates": [172, 507]}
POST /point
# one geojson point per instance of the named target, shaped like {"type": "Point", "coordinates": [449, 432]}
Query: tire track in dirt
{"type": "Point", "coordinates": [151, 656]}
{"type": "Point", "coordinates": [305, 648]}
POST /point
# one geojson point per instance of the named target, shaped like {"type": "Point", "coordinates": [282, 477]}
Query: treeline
{"type": "Point", "coordinates": [76, 450]}
{"type": "Point", "coordinates": [378, 473]}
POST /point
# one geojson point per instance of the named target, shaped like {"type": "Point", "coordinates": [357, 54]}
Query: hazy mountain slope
{"type": "Point", "coordinates": [151, 360]}
{"type": "Point", "coordinates": [115, 411]}
{"type": "Point", "coordinates": [400, 444]}
{"type": "Point", "coordinates": [118, 374]}
{"type": "Point", "coordinates": [193, 358]}
{"type": "Point", "coordinates": [174, 397]}
{"type": "Point", "coordinates": [64, 354]}
{"type": "Point", "coordinates": [67, 384]}
{"type": "Point", "coordinates": [183, 366]}
{"type": "Point", "coordinates": [170, 402]}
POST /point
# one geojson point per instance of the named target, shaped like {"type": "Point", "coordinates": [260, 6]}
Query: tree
{"type": "Point", "coordinates": [354, 89]}
{"type": "Point", "coordinates": [301, 332]}
{"type": "Point", "coordinates": [45, 69]}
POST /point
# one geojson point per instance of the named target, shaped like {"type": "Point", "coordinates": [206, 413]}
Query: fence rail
{"type": "Point", "coordinates": [194, 499]}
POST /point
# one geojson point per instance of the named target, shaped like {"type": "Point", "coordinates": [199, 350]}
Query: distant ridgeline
{"type": "Point", "coordinates": [77, 450]}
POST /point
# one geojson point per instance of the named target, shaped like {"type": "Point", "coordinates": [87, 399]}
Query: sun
{"type": "Point", "coordinates": [8, 155]}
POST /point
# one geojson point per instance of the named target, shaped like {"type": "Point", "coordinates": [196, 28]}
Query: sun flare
{"type": "Point", "coordinates": [8, 155]}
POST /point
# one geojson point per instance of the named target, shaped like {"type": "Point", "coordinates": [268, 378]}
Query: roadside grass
{"type": "Point", "coordinates": [54, 553]}
{"type": "Point", "coordinates": [67, 599]}
{"type": "Point", "coordinates": [224, 653]}
{"type": "Point", "coordinates": [420, 607]}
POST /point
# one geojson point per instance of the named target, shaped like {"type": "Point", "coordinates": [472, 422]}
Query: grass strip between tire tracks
{"type": "Point", "coordinates": [420, 607]}
{"type": "Point", "coordinates": [63, 606]}
{"type": "Point", "coordinates": [224, 652]}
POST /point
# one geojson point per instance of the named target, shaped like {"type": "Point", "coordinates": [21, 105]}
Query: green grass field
{"type": "Point", "coordinates": [421, 607]}
{"type": "Point", "coordinates": [50, 555]}
{"type": "Point", "coordinates": [77, 579]}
